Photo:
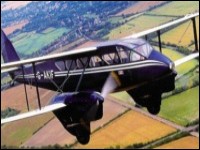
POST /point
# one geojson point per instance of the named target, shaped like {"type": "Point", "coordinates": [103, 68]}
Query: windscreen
{"type": "Point", "coordinates": [140, 46]}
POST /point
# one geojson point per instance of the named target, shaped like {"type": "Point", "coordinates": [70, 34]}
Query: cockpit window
{"type": "Point", "coordinates": [140, 46]}
{"type": "Point", "coordinates": [127, 55]}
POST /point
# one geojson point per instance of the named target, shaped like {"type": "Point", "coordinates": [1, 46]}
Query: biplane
{"type": "Point", "coordinates": [84, 77]}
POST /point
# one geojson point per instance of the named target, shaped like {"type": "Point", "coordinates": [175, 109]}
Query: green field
{"type": "Point", "coordinates": [115, 20]}
{"type": "Point", "coordinates": [177, 8]}
{"type": "Point", "coordinates": [137, 25]}
{"type": "Point", "coordinates": [27, 43]}
{"type": "Point", "coordinates": [181, 108]}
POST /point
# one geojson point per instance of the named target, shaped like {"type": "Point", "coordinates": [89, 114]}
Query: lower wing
{"type": "Point", "coordinates": [33, 113]}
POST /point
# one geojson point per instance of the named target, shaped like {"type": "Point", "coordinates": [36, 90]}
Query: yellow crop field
{"type": "Point", "coordinates": [188, 142]}
{"type": "Point", "coordinates": [130, 128]}
{"type": "Point", "coordinates": [181, 35]}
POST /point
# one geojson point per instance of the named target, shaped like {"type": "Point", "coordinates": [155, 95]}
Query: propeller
{"type": "Point", "coordinates": [112, 82]}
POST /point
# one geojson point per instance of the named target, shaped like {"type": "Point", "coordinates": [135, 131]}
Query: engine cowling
{"type": "Point", "coordinates": [81, 109]}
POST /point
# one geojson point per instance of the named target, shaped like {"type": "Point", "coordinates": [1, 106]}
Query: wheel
{"type": "Point", "coordinates": [83, 139]}
{"type": "Point", "coordinates": [153, 109]}
{"type": "Point", "coordinates": [83, 133]}
{"type": "Point", "coordinates": [153, 104]}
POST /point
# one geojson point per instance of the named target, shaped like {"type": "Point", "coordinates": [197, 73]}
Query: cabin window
{"type": "Point", "coordinates": [60, 65]}
{"type": "Point", "coordinates": [95, 61]}
{"type": "Point", "coordinates": [127, 55]}
{"type": "Point", "coordinates": [123, 53]}
{"type": "Point", "coordinates": [144, 49]}
{"type": "Point", "coordinates": [111, 58]}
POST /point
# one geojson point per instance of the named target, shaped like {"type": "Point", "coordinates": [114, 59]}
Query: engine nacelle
{"type": "Point", "coordinates": [81, 109]}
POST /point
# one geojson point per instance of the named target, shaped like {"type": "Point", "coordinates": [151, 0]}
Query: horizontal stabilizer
{"type": "Point", "coordinates": [185, 59]}
{"type": "Point", "coordinates": [33, 113]}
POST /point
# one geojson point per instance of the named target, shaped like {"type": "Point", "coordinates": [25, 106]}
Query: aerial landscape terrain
{"type": "Point", "coordinates": [39, 28]}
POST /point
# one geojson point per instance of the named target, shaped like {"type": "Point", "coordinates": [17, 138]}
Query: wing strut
{"type": "Point", "coordinates": [159, 41]}
{"type": "Point", "coordinates": [36, 85]}
{"type": "Point", "coordinates": [25, 88]}
{"type": "Point", "coordinates": [81, 77]}
{"type": "Point", "coordinates": [195, 34]}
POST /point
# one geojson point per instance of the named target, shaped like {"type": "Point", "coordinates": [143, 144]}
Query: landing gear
{"type": "Point", "coordinates": [151, 101]}
{"type": "Point", "coordinates": [83, 134]}
{"type": "Point", "coordinates": [153, 104]}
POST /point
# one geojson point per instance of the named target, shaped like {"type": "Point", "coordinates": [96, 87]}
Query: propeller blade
{"type": "Point", "coordinates": [185, 59]}
{"type": "Point", "coordinates": [110, 85]}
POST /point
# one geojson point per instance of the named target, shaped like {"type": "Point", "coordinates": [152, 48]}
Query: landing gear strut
{"type": "Point", "coordinates": [151, 101]}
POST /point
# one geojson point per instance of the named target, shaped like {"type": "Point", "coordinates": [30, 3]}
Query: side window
{"type": "Point", "coordinates": [95, 61]}
{"type": "Point", "coordinates": [60, 65]}
{"type": "Point", "coordinates": [66, 64]}
{"type": "Point", "coordinates": [111, 58]}
{"type": "Point", "coordinates": [135, 56]}
{"type": "Point", "coordinates": [123, 54]}
{"type": "Point", "coordinates": [81, 62]}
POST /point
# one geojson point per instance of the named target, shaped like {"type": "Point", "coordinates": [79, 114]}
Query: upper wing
{"type": "Point", "coordinates": [36, 112]}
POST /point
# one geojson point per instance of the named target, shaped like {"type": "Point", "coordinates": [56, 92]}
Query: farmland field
{"type": "Point", "coordinates": [68, 46]}
{"type": "Point", "coordinates": [14, 27]}
{"type": "Point", "coordinates": [17, 99]}
{"type": "Point", "coordinates": [27, 43]}
{"type": "Point", "coordinates": [17, 4]}
{"type": "Point", "coordinates": [185, 105]}
{"type": "Point", "coordinates": [131, 128]}
{"type": "Point", "coordinates": [137, 25]}
{"type": "Point", "coordinates": [188, 142]}
{"type": "Point", "coordinates": [139, 7]}
{"type": "Point", "coordinates": [60, 136]}
{"type": "Point", "coordinates": [16, 133]}
{"type": "Point", "coordinates": [177, 8]}
{"type": "Point", "coordinates": [178, 35]}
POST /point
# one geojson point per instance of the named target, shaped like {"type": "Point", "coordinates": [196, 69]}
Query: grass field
{"type": "Point", "coordinates": [178, 35]}
{"type": "Point", "coordinates": [181, 108]}
{"type": "Point", "coordinates": [27, 43]}
{"type": "Point", "coordinates": [131, 128]}
{"type": "Point", "coordinates": [137, 25]}
{"type": "Point", "coordinates": [188, 142]}
{"type": "Point", "coordinates": [177, 8]}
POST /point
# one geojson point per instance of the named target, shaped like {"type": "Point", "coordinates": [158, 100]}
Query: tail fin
{"type": "Point", "coordinates": [8, 51]}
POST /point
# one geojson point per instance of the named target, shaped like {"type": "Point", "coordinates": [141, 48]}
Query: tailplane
{"type": "Point", "coordinates": [8, 51]}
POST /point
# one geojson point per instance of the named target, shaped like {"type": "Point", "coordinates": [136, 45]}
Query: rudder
{"type": "Point", "coordinates": [8, 51]}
